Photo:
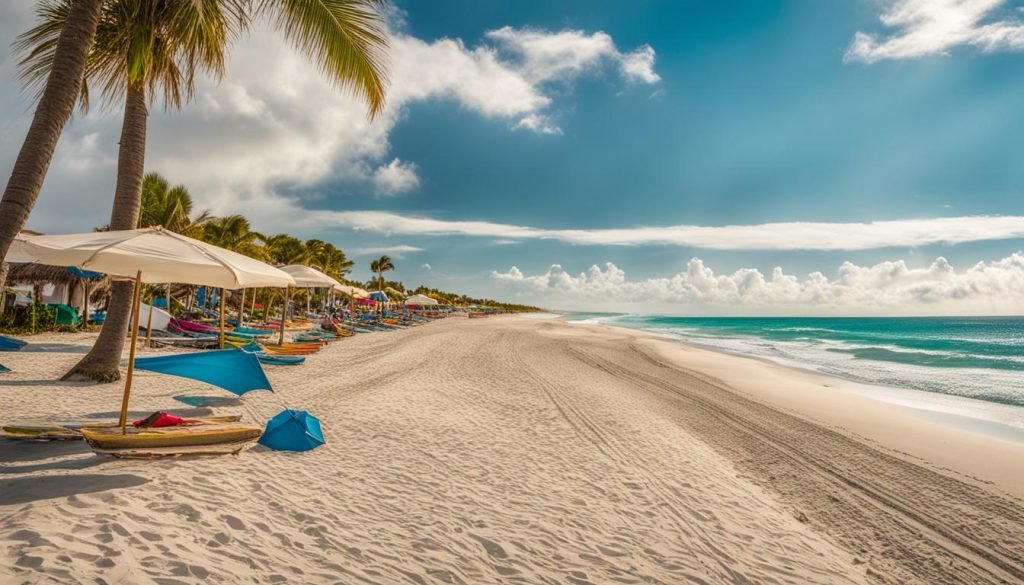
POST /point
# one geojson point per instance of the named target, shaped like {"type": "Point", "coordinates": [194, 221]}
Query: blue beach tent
{"type": "Point", "coordinates": [293, 430]}
{"type": "Point", "coordinates": [379, 296]}
{"type": "Point", "coordinates": [233, 370]}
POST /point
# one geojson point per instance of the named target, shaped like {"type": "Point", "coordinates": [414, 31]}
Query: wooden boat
{"type": "Point", "coordinates": [148, 439]}
{"type": "Point", "coordinates": [292, 348]}
{"type": "Point", "coordinates": [280, 359]}
{"type": "Point", "coordinates": [46, 431]}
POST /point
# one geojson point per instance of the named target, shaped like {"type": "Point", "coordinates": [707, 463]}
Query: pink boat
{"type": "Point", "coordinates": [190, 327]}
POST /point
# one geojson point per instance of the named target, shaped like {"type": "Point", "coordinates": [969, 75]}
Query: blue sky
{"type": "Point", "coordinates": [583, 115]}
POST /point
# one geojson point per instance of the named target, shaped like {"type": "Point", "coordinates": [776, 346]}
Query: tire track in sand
{"type": "Point", "coordinates": [622, 455]}
{"type": "Point", "coordinates": [904, 534]}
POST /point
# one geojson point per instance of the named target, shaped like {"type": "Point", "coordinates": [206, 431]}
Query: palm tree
{"type": "Point", "coordinates": [170, 207]}
{"type": "Point", "coordinates": [380, 266]}
{"type": "Point", "coordinates": [234, 233]}
{"type": "Point", "coordinates": [283, 249]}
{"type": "Point", "coordinates": [328, 259]}
{"type": "Point", "coordinates": [145, 47]}
{"type": "Point", "coordinates": [61, 86]}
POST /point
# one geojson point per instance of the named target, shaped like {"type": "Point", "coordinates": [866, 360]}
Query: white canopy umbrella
{"type": "Point", "coordinates": [420, 301]}
{"type": "Point", "coordinates": [352, 291]}
{"type": "Point", "coordinates": [305, 277]}
{"type": "Point", "coordinates": [153, 255]}
{"type": "Point", "coordinates": [308, 277]}
{"type": "Point", "coordinates": [17, 252]}
{"type": "Point", "coordinates": [159, 255]}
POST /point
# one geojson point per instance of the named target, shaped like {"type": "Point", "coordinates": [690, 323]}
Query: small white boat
{"type": "Point", "coordinates": [161, 318]}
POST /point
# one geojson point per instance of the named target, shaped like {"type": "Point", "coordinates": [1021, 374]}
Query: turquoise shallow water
{"type": "Point", "coordinates": [979, 358]}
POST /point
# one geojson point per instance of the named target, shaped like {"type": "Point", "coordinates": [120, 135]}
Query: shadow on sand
{"type": "Point", "coordinates": [23, 490]}
{"type": "Point", "coordinates": [24, 451]}
{"type": "Point", "coordinates": [208, 401]}
{"type": "Point", "coordinates": [45, 383]}
{"type": "Point", "coordinates": [55, 348]}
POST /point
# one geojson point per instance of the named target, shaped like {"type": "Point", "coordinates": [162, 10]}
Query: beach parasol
{"type": "Point", "coordinates": [17, 252]}
{"type": "Point", "coordinates": [305, 277]}
{"type": "Point", "coordinates": [353, 291]}
{"type": "Point", "coordinates": [419, 301]}
{"type": "Point", "coordinates": [153, 255]}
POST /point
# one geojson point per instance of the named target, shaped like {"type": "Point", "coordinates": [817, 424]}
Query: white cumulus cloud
{"type": "Point", "coordinates": [767, 236]}
{"type": "Point", "coordinates": [396, 251]}
{"type": "Point", "coordinates": [934, 27]}
{"type": "Point", "coordinates": [885, 288]}
{"type": "Point", "coordinates": [275, 125]}
{"type": "Point", "coordinates": [395, 178]}
{"type": "Point", "coordinates": [544, 56]}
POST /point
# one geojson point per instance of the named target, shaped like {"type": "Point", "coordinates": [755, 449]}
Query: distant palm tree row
{"type": "Point", "coordinates": [136, 51]}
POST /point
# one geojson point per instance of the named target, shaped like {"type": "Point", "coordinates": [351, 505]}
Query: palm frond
{"type": "Point", "coordinates": [345, 39]}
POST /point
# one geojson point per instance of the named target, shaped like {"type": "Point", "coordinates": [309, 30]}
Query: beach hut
{"type": "Point", "coordinates": [61, 285]}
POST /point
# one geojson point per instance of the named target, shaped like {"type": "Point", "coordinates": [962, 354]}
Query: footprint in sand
{"type": "Point", "coordinates": [233, 522]}
{"type": "Point", "coordinates": [29, 562]}
{"type": "Point", "coordinates": [493, 549]}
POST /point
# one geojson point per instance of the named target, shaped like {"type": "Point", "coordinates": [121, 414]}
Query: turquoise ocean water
{"type": "Point", "coordinates": [975, 358]}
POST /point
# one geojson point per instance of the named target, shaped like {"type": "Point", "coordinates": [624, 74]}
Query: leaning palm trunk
{"type": "Point", "coordinates": [102, 361]}
{"type": "Point", "coordinates": [62, 90]}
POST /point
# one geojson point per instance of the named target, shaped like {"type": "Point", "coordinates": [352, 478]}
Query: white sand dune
{"type": "Point", "coordinates": [497, 450]}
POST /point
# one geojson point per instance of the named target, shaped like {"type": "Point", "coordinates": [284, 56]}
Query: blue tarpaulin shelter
{"type": "Point", "coordinates": [379, 296]}
{"type": "Point", "coordinates": [293, 430]}
{"type": "Point", "coordinates": [86, 274]}
{"type": "Point", "coordinates": [230, 369]}
{"type": "Point", "coordinates": [11, 344]}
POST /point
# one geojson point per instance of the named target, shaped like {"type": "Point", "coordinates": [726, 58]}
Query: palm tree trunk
{"type": "Point", "coordinates": [62, 90]}
{"type": "Point", "coordinates": [102, 361]}
{"type": "Point", "coordinates": [4, 267]}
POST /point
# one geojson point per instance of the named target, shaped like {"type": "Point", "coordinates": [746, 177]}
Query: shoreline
{"type": "Point", "coordinates": [944, 439]}
{"type": "Point", "coordinates": [983, 417]}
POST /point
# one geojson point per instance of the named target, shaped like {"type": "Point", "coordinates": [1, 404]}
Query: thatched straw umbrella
{"type": "Point", "coordinates": [39, 275]}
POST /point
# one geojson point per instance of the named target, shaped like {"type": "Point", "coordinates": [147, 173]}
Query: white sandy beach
{"type": "Point", "coordinates": [514, 449]}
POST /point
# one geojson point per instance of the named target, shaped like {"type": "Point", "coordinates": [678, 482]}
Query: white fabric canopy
{"type": "Point", "coordinates": [352, 291]}
{"type": "Point", "coordinates": [17, 251]}
{"type": "Point", "coordinates": [308, 277]}
{"type": "Point", "coordinates": [420, 301]}
{"type": "Point", "coordinates": [160, 255]}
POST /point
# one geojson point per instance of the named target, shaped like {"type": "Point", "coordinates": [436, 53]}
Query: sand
{"type": "Point", "coordinates": [507, 450]}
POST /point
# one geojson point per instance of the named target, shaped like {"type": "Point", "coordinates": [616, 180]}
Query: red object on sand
{"type": "Point", "coordinates": [164, 420]}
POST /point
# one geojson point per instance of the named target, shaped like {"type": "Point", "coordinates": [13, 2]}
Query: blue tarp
{"type": "Point", "coordinates": [86, 274]}
{"type": "Point", "coordinates": [379, 296]}
{"type": "Point", "coordinates": [11, 344]}
{"type": "Point", "coordinates": [293, 430]}
{"type": "Point", "coordinates": [230, 369]}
